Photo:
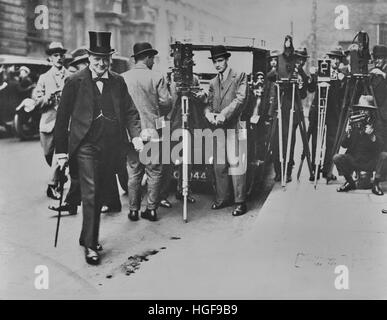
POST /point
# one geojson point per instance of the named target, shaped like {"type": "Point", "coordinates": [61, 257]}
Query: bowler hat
{"type": "Point", "coordinates": [55, 47]}
{"type": "Point", "coordinates": [379, 51]}
{"type": "Point", "coordinates": [274, 53]}
{"type": "Point", "coordinates": [337, 52]}
{"type": "Point", "coordinates": [100, 43]}
{"type": "Point", "coordinates": [143, 47]}
{"type": "Point", "coordinates": [365, 102]}
{"type": "Point", "coordinates": [79, 55]}
{"type": "Point", "coordinates": [219, 51]}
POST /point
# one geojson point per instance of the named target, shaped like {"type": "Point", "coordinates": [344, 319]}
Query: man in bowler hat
{"type": "Point", "coordinates": [152, 99]}
{"type": "Point", "coordinates": [226, 101]}
{"type": "Point", "coordinates": [102, 114]}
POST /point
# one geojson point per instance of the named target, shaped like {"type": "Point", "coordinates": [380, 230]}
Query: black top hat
{"type": "Point", "coordinates": [379, 51]}
{"type": "Point", "coordinates": [100, 43]}
{"type": "Point", "coordinates": [79, 55]}
{"type": "Point", "coordinates": [55, 47]}
{"type": "Point", "coordinates": [219, 51]}
{"type": "Point", "coordinates": [143, 47]}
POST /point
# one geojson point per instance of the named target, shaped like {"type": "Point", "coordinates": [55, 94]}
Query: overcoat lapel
{"type": "Point", "coordinates": [226, 84]}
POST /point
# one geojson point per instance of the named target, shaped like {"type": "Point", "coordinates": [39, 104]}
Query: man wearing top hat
{"type": "Point", "coordinates": [46, 95]}
{"type": "Point", "coordinates": [334, 102]}
{"type": "Point", "coordinates": [95, 116]}
{"type": "Point", "coordinates": [226, 101]}
{"type": "Point", "coordinates": [362, 144]}
{"type": "Point", "coordinates": [152, 99]}
{"type": "Point", "coordinates": [379, 84]}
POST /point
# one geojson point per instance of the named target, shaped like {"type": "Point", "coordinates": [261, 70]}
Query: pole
{"type": "Point", "coordinates": [61, 186]}
{"type": "Point", "coordinates": [186, 144]}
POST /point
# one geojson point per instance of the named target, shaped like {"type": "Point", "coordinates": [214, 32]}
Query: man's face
{"type": "Point", "coordinates": [335, 62]}
{"type": "Point", "coordinates": [380, 62]}
{"type": "Point", "coordinates": [99, 64]}
{"type": "Point", "coordinates": [150, 61]}
{"type": "Point", "coordinates": [273, 62]}
{"type": "Point", "coordinates": [23, 74]}
{"type": "Point", "coordinates": [57, 60]}
{"type": "Point", "coordinates": [220, 64]}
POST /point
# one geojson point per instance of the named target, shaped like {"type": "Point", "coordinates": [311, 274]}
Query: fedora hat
{"type": "Point", "coordinates": [274, 53]}
{"type": "Point", "coordinates": [100, 43]}
{"type": "Point", "coordinates": [55, 47]}
{"type": "Point", "coordinates": [379, 51]}
{"type": "Point", "coordinates": [219, 51]}
{"type": "Point", "coordinates": [79, 55]}
{"type": "Point", "coordinates": [336, 52]}
{"type": "Point", "coordinates": [140, 48]}
{"type": "Point", "coordinates": [365, 102]}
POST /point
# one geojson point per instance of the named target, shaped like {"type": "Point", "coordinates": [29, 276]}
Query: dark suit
{"type": "Point", "coordinates": [229, 98]}
{"type": "Point", "coordinates": [94, 142]}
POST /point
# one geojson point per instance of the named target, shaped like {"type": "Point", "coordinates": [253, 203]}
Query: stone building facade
{"type": "Point", "coordinates": [160, 22]}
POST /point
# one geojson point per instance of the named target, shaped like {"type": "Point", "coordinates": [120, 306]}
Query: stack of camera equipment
{"type": "Point", "coordinates": [183, 66]}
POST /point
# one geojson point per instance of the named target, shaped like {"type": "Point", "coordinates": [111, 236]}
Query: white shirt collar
{"type": "Point", "coordinates": [94, 75]}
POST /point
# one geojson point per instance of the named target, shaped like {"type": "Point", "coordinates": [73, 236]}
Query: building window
{"type": "Point", "coordinates": [381, 36]}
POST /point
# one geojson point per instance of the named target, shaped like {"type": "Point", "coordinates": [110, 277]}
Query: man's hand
{"type": "Point", "coordinates": [210, 117]}
{"type": "Point", "coordinates": [254, 119]}
{"type": "Point", "coordinates": [138, 144]}
{"type": "Point", "coordinates": [369, 129]}
{"type": "Point", "coordinates": [220, 119]}
{"type": "Point", "coordinates": [379, 72]}
{"type": "Point", "coordinates": [62, 160]}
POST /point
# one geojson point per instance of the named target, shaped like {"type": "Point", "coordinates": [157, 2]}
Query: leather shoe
{"type": "Point", "coordinates": [150, 215]}
{"type": "Point", "coordinates": [377, 190]}
{"type": "Point", "coordinates": [289, 178]}
{"type": "Point", "coordinates": [133, 215]}
{"type": "Point", "coordinates": [98, 247]}
{"type": "Point", "coordinates": [277, 178]}
{"type": "Point", "coordinates": [72, 209]}
{"type": "Point", "coordinates": [384, 211]}
{"type": "Point", "coordinates": [107, 209]}
{"type": "Point", "coordinates": [219, 205]}
{"type": "Point", "coordinates": [346, 187]}
{"type": "Point", "coordinates": [330, 177]}
{"type": "Point", "coordinates": [165, 204]}
{"type": "Point", "coordinates": [239, 210]}
{"type": "Point", "coordinates": [92, 257]}
{"type": "Point", "coordinates": [52, 192]}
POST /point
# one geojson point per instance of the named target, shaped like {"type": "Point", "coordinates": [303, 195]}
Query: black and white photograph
{"type": "Point", "coordinates": [199, 150]}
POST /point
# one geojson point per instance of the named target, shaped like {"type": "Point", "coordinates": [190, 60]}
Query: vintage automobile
{"type": "Point", "coordinates": [246, 59]}
{"type": "Point", "coordinates": [18, 114]}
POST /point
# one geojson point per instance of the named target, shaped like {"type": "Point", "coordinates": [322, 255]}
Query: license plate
{"type": "Point", "coordinates": [195, 175]}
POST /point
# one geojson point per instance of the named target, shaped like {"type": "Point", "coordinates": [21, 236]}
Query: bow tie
{"type": "Point", "coordinates": [103, 80]}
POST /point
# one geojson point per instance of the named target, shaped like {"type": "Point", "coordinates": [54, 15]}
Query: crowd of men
{"type": "Point", "coordinates": [98, 122]}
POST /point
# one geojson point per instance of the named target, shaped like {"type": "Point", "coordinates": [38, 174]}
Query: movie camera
{"type": "Point", "coordinates": [183, 66]}
{"type": "Point", "coordinates": [326, 72]}
{"type": "Point", "coordinates": [359, 53]}
{"type": "Point", "coordinates": [359, 119]}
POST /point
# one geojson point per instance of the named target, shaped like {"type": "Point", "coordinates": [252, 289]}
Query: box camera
{"type": "Point", "coordinates": [183, 65]}
{"type": "Point", "coordinates": [286, 69]}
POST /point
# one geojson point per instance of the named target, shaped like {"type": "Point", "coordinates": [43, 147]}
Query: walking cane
{"type": "Point", "coordinates": [61, 176]}
{"type": "Point", "coordinates": [290, 130]}
{"type": "Point", "coordinates": [279, 117]}
{"type": "Point", "coordinates": [186, 144]}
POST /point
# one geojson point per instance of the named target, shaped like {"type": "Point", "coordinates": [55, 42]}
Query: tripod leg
{"type": "Point", "coordinates": [290, 130]}
{"type": "Point", "coordinates": [280, 145]}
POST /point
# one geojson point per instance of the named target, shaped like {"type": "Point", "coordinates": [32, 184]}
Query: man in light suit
{"type": "Point", "coordinates": [96, 104]}
{"type": "Point", "coordinates": [47, 94]}
{"type": "Point", "coordinates": [152, 99]}
{"type": "Point", "coordinates": [226, 100]}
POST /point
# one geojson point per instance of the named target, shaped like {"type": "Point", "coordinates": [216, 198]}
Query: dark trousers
{"type": "Point", "coordinates": [346, 164]}
{"type": "Point", "coordinates": [136, 171]}
{"type": "Point", "coordinates": [381, 166]}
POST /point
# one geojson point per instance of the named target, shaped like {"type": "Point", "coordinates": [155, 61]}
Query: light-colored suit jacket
{"type": "Point", "coordinates": [228, 98]}
{"type": "Point", "coordinates": [150, 95]}
{"type": "Point", "coordinates": [48, 84]}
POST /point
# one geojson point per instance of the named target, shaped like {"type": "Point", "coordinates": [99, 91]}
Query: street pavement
{"type": "Point", "coordinates": [287, 247]}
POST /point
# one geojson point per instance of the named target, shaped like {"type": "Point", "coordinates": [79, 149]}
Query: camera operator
{"type": "Point", "coordinates": [46, 95]}
{"type": "Point", "coordinates": [362, 144]}
{"type": "Point", "coordinates": [196, 120]}
{"type": "Point", "coordinates": [293, 62]}
{"type": "Point", "coordinates": [379, 84]}
{"type": "Point", "coordinates": [335, 98]}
